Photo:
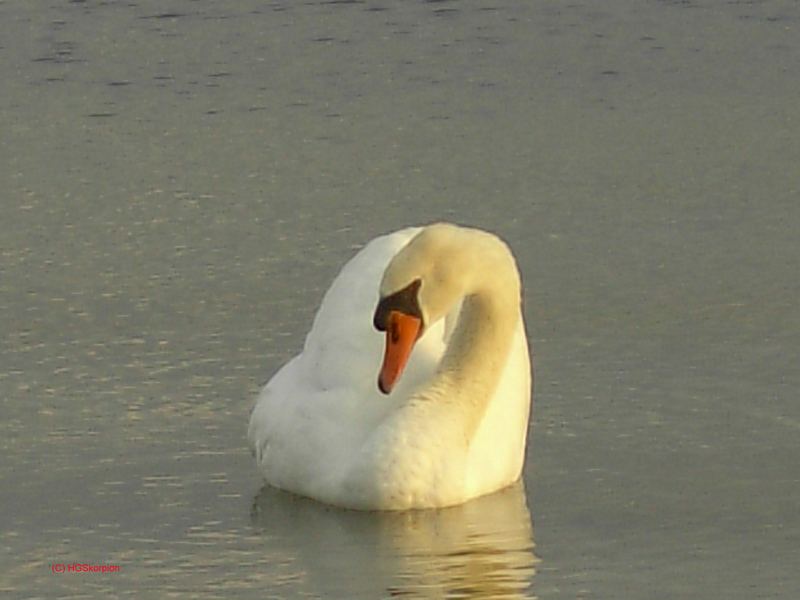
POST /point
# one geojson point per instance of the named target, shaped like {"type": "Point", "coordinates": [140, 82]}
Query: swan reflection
{"type": "Point", "coordinates": [481, 549]}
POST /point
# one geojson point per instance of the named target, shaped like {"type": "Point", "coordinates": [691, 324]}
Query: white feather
{"type": "Point", "coordinates": [321, 428]}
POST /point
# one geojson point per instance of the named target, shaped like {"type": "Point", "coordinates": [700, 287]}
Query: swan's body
{"type": "Point", "coordinates": [454, 426]}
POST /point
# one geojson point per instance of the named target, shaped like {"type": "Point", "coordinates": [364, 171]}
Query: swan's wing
{"type": "Point", "coordinates": [320, 407]}
{"type": "Point", "coordinates": [343, 349]}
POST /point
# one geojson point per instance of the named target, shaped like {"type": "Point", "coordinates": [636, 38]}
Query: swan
{"type": "Point", "coordinates": [431, 413]}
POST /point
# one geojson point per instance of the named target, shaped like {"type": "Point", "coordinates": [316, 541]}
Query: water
{"type": "Point", "coordinates": [180, 185]}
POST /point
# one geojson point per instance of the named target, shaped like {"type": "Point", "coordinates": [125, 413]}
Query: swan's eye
{"type": "Point", "coordinates": [404, 301]}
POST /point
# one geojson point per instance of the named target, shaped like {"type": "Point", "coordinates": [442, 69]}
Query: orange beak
{"type": "Point", "coordinates": [402, 331]}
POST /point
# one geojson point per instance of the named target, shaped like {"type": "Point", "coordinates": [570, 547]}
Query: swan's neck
{"type": "Point", "coordinates": [477, 352]}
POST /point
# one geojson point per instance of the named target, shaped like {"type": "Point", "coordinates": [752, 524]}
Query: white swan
{"type": "Point", "coordinates": [453, 427]}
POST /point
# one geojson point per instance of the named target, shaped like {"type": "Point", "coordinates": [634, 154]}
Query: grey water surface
{"type": "Point", "coordinates": [181, 181]}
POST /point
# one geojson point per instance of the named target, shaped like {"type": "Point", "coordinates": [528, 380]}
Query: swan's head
{"type": "Point", "coordinates": [420, 285]}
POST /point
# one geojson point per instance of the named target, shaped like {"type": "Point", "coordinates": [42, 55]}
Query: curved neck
{"type": "Point", "coordinates": [479, 346]}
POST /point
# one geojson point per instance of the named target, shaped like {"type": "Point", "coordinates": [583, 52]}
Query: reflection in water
{"type": "Point", "coordinates": [482, 549]}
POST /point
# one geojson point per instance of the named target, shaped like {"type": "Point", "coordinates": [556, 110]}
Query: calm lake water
{"type": "Point", "coordinates": [182, 180]}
